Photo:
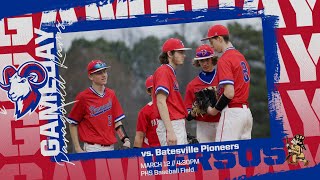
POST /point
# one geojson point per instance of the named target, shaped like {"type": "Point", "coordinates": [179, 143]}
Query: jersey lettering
{"type": "Point", "coordinates": [95, 111]}
{"type": "Point", "coordinates": [246, 76]}
{"type": "Point", "coordinates": [154, 122]}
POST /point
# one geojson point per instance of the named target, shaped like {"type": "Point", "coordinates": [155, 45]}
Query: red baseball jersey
{"type": "Point", "coordinates": [96, 116]}
{"type": "Point", "coordinates": [164, 79]}
{"type": "Point", "coordinates": [147, 123]}
{"type": "Point", "coordinates": [197, 84]}
{"type": "Point", "coordinates": [234, 69]}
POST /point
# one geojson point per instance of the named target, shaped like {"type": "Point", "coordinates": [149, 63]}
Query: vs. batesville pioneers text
{"type": "Point", "coordinates": [191, 149]}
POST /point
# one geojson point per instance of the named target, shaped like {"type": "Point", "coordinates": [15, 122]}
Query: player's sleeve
{"type": "Point", "coordinates": [225, 74]}
{"type": "Point", "coordinates": [161, 82]}
{"type": "Point", "coordinates": [142, 122]}
{"type": "Point", "coordinates": [78, 111]}
{"type": "Point", "coordinates": [117, 109]}
{"type": "Point", "coordinates": [188, 98]}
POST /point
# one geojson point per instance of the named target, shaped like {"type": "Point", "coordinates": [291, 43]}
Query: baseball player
{"type": "Point", "coordinates": [169, 105]}
{"type": "Point", "coordinates": [146, 135]}
{"type": "Point", "coordinates": [233, 73]}
{"type": "Point", "coordinates": [206, 124]}
{"type": "Point", "coordinates": [97, 114]}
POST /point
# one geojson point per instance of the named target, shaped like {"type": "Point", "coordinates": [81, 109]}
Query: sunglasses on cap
{"type": "Point", "coordinates": [203, 53]}
{"type": "Point", "coordinates": [98, 66]}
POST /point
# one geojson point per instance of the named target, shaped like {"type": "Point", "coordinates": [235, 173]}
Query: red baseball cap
{"type": "Point", "coordinates": [203, 52]}
{"type": "Point", "coordinates": [173, 44]}
{"type": "Point", "coordinates": [216, 30]}
{"type": "Point", "coordinates": [149, 82]}
{"type": "Point", "coordinates": [96, 65]}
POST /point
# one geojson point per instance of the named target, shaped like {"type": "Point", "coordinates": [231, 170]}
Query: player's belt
{"type": "Point", "coordinates": [98, 144]}
{"type": "Point", "coordinates": [238, 105]}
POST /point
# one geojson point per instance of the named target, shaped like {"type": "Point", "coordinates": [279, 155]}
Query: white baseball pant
{"type": "Point", "coordinates": [179, 128]}
{"type": "Point", "coordinates": [206, 131]}
{"type": "Point", "coordinates": [234, 124]}
{"type": "Point", "coordinates": [97, 147]}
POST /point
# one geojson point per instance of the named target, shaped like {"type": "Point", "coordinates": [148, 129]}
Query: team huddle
{"type": "Point", "coordinates": [217, 99]}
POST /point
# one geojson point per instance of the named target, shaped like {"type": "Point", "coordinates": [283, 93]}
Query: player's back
{"type": "Point", "coordinates": [240, 75]}
{"type": "Point", "coordinates": [151, 118]}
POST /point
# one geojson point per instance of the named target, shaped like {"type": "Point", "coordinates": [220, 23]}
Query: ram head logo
{"type": "Point", "coordinates": [22, 86]}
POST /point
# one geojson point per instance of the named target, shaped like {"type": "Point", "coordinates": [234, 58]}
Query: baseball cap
{"type": "Point", "coordinates": [216, 30]}
{"type": "Point", "coordinates": [149, 82]}
{"type": "Point", "coordinates": [96, 65]}
{"type": "Point", "coordinates": [173, 44]}
{"type": "Point", "coordinates": [203, 52]}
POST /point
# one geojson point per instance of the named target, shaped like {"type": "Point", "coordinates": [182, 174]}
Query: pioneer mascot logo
{"type": "Point", "coordinates": [295, 150]}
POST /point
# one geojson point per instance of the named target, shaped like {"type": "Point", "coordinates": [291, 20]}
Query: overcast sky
{"type": "Point", "coordinates": [160, 31]}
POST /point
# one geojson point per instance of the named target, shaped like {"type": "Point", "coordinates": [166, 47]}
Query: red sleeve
{"type": "Point", "coordinates": [142, 122]}
{"type": "Point", "coordinates": [189, 97]}
{"type": "Point", "coordinates": [161, 81]}
{"type": "Point", "coordinates": [225, 74]}
{"type": "Point", "coordinates": [78, 110]}
{"type": "Point", "coordinates": [117, 109]}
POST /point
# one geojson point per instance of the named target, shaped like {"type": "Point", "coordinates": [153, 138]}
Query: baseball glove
{"type": "Point", "coordinates": [203, 99]}
{"type": "Point", "coordinates": [192, 139]}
